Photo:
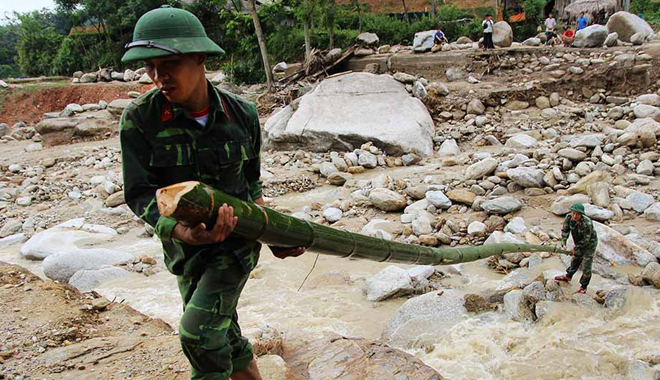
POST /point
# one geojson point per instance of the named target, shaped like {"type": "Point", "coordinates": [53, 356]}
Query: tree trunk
{"type": "Point", "coordinates": [331, 19]}
{"type": "Point", "coordinates": [433, 8]}
{"type": "Point", "coordinates": [356, 3]}
{"type": "Point", "coordinates": [405, 9]}
{"type": "Point", "coordinates": [262, 44]}
{"type": "Point", "coordinates": [193, 202]}
{"type": "Point", "coordinates": [309, 13]}
{"type": "Point", "coordinates": [308, 46]}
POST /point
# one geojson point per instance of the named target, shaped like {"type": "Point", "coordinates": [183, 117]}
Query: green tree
{"type": "Point", "coordinates": [8, 42]}
{"type": "Point", "coordinates": [37, 44]}
{"type": "Point", "coordinates": [262, 43]}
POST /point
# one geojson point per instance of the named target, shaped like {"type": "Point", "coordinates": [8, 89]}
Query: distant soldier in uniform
{"type": "Point", "coordinates": [187, 130]}
{"type": "Point", "coordinates": [585, 238]}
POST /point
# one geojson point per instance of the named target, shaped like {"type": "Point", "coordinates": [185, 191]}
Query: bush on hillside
{"type": "Point", "coordinates": [84, 52]}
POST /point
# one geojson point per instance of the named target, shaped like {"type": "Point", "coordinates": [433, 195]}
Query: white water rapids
{"type": "Point", "coordinates": [572, 342]}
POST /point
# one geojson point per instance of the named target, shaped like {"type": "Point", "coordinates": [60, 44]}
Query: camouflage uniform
{"type": "Point", "coordinates": [163, 145]}
{"type": "Point", "coordinates": [586, 240]}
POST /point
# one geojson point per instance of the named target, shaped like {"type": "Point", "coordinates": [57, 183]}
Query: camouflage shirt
{"type": "Point", "coordinates": [584, 234]}
{"type": "Point", "coordinates": [162, 144]}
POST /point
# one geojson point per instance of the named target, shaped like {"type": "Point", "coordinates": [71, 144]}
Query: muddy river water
{"type": "Point", "coordinates": [571, 342]}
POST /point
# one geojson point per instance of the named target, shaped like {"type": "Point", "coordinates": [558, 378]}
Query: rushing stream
{"type": "Point", "coordinates": [571, 342]}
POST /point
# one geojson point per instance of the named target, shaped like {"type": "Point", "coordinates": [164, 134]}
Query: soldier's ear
{"type": "Point", "coordinates": [200, 58]}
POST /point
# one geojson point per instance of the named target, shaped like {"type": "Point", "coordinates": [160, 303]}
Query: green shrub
{"type": "Point", "coordinates": [37, 44]}
{"type": "Point", "coordinates": [245, 70]}
{"type": "Point", "coordinates": [8, 71]}
{"type": "Point", "coordinates": [85, 52]}
{"type": "Point", "coordinates": [289, 44]}
{"type": "Point", "coordinates": [648, 9]}
{"type": "Point", "coordinates": [394, 31]}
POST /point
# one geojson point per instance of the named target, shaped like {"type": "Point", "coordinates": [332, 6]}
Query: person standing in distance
{"type": "Point", "coordinates": [582, 21]}
{"type": "Point", "coordinates": [187, 130]}
{"type": "Point", "coordinates": [550, 25]}
{"type": "Point", "coordinates": [488, 27]}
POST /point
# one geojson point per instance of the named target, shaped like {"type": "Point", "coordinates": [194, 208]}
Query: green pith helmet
{"type": "Point", "coordinates": [168, 31]}
{"type": "Point", "coordinates": [578, 207]}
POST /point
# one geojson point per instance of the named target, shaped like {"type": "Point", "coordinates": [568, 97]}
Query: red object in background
{"type": "Point", "coordinates": [569, 33]}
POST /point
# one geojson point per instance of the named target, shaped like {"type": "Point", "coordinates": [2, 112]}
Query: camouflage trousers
{"type": "Point", "coordinates": [209, 332]}
{"type": "Point", "coordinates": [584, 256]}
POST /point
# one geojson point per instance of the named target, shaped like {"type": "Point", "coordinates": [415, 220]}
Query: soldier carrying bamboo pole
{"type": "Point", "coordinates": [186, 129]}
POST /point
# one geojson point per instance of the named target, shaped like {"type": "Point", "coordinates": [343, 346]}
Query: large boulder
{"type": "Point", "coordinates": [481, 168]}
{"type": "Point", "coordinates": [368, 39]}
{"type": "Point", "coordinates": [425, 318]}
{"type": "Point", "coordinates": [117, 106]}
{"type": "Point", "coordinates": [642, 132]}
{"type": "Point", "coordinates": [388, 283]}
{"type": "Point", "coordinates": [349, 110]}
{"type": "Point", "coordinates": [63, 265]}
{"type": "Point", "coordinates": [526, 177]}
{"type": "Point", "coordinates": [387, 200]}
{"type": "Point", "coordinates": [652, 213]}
{"type": "Point", "coordinates": [423, 41]}
{"type": "Point", "coordinates": [449, 147]}
{"type": "Point", "coordinates": [591, 36]}
{"type": "Point", "coordinates": [649, 99]}
{"type": "Point", "coordinates": [521, 141]}
{"type": "Point", "coordinates": [562, 205]}
{"type": "Point", "coordinates": [502, 34]}
{"type": "Point", "coordinates": [502, 206]}
{"type": "Point", "coordinates": [517, 306]}
{"type": "Point", "coordinates": [626, 24]}
{"type": "Point", "coordinates": [57, 131]}
{"type": "Point", "coordinates": [643, 111]}
{"type": "Point", "coordinates": [56, 240]}
{"type": "Point", "coordinates": [612, 39]}
{"type": "Point", "coordinates": [337, 357]}
{"type": "Point", "coordinates": [88, 280]}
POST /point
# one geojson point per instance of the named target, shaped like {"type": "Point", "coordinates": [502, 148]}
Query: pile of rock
{"type": "Point", "coordinates": [649, 277]}
{"type": "Point", "coordinates": [30, 185]}
{"type": "Point", "coordinates": [82, 122]}
{"type": "Point", "coordinates": [19, 131]}
{"type": "Point", "coordinates": [108, 75]}
{"type": "Point", "coordinates": [367, 42]}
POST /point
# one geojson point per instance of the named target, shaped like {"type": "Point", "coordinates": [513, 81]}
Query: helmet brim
{"type": "Point", "coordinates": [580, 211]}
{"type": "Point", "coordinates": [186, 45]}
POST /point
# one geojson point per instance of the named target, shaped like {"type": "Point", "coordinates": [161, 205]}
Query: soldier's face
{"type": "Point", "coordinates": [177, 76]}
{"type": "Point", "coordinates": [575, 216]}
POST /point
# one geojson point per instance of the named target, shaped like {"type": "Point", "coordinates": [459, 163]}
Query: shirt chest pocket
{"type": "Point", "coordinates": [222, 165]}
{"type": "Point", "coordinates": [175, 162]}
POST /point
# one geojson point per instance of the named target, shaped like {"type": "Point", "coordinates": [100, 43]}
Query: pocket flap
{"type": "Point", "coordinates": [230, 151]}
{"type": "Point", "coordinates": [171, 155]}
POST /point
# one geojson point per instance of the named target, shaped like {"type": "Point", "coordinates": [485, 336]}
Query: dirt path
{"type": "Point", "coordinates": [52, 331]}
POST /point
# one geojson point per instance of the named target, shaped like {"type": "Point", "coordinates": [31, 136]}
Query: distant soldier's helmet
{"type": "Point", "coordinates": [168, 31]}
{"type": "Point", "coordinates": [577, 207]}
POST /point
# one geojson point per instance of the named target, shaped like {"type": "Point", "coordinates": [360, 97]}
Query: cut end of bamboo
{"type": "Point", "coordinates": [168, 197]}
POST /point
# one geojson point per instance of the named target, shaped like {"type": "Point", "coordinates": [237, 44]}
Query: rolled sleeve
{"type": "Point", "coordinates": [164, 228]}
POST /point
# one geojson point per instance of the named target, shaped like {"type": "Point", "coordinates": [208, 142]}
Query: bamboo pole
{"type": "Point", "coordinates": [192, 203]}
